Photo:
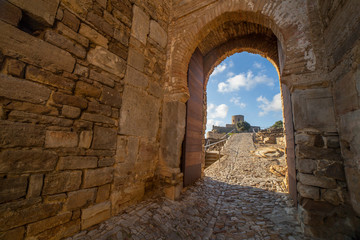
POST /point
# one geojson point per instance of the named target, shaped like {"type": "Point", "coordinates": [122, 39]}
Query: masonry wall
{"type": "Point", "coordinates": [80, 104]}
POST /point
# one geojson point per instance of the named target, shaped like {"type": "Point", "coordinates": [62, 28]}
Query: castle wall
{"type": "Point", "coordinates": [81, 88]}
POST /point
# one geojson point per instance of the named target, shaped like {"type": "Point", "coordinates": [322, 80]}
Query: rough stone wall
{"type": "Point", "coordinates": [343, 53]}
{"type": "Point", "coordinates": [80, 103]}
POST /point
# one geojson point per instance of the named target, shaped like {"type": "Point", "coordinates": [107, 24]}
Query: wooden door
{"type": "Point", "coordinates": [290, 144]}
{"type": "Point", "coordinates": [192, 146]}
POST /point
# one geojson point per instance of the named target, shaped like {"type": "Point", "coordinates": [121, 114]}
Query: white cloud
{"type": "Point", "coordinates": [210, 122]}
{"type": "Point", "coordinates": [214, 111]}
{"type": "Point", "coordinates": [231, 64]}
{"type": "Point", "coordinates": [258, 65]}
{"type": "Point", "coordinates": [215, 114]}
{"type": "Point", "coordinates": [230, 74]}
{"type": "Point", "coordinates": [219, 69]}
{"type": "Point", "coordinates": [236, 101]}
{"type": "Point", "coordinates": [242, 80]}
{"type": "Point", "coordinates": [269, 106]}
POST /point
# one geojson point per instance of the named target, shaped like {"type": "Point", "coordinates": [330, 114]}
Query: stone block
{"type": "Point", "coordinates": [349, 137]}
{"type": "Point", "coordinates": [77, 162]}
{"type": "Point", "coordinates": [9, 13]}
{"type": "Point", "coordinates": [85, 139]}
{"type": "Point", "coordinates": [107, 61]}
{"type": "Point", "coordinates": [48, 78]}
{"type": "Point", "coordinates": [106, 162]}
{"type": "Point", "coordinates": [14, 67]}
{"type": "Point", "coordinates": [311, 180]}
{"type": "Point", "coordinates": [27, 161]}
{"type": "Point", "coordinates": [118, 49]}
{"type": "Point", "coordinates": [103, 193]}
{"type": "Point", "coordinates": [102, 3]}
{"type": "Point", "coordinates": [43, 12]}
{"type": "Point", "coordinates": [138, 106]}
{"type": "Point", "coordinates": [111, 97]}
{"type": "Point", "coordinates": [13, 134]}
{"type": "Point", "coordinates": [65, 99]}
{"type": "Point", "coordinates": [21, 116]}
{"type": "Point", "coordinates": [332, 142]}
{"type": "Point", "coordinates": [68, 32]}
{"type": "Point", "coordinates": [65, 43]}
{"type": "Point", "coordinates": [80, 7]}
{"type": "Point", "coordinates": [95, 214]}
{"type": "Point", "coordinates": [122, 34]}
{"type": "Point", "coordinates": [29, 49]}
{"type": "Point", "coordinates": [35, 185]}
{"type": "Point", "coordinates": [13, 234]}
{"type": "Point", "coordinates": [95, 107]}
{"type": "Point", "coordinates": [93, 35]}
{"type": "Point", "coordinates": [140, 25]}
{"type": "Point", "coordinates": [23, 90]}
{"type": "Point", "coordinates": [333, 170]}
{"type": "Point", "coordinates": [155, 89]}
{"type": "Point", "coordinates": [98, 118]}
{"type": "Point", "coordinates": [308, 152]}
{"type": "Point", "coordinates": [70, 112]}
{"type": "Point", "coordinates": [158, 34]}
{"type": "Point", "coordinates": [33, 108]}
{"type": "Point", "coordinates": [136, 78]}
{"type": "Point", "coordinates": [55, 139]}
{"type": "Point", "coordinates": [61, 182]}
{"type": "Point", "coordinates": [352, 180]}
{"type": "Point", "coordinates": [346, 96]}
{"type": "Point", "coordinates": [102, 78]}
{"type": "Point", "coordinates": [100, 23]}
{"type": "Point", "coordinates": [306, 165]}
{"type": "Point", "coordinates": [15, 214]}
{"type": "Point", "coordinates": [12, 188]}
{"type": "Point", "coordinates": [85, 89]}
{"type": "Point", "coordinates": [97, 177]}
{"type": "Point", "coordinates": [332, 196]}
{"type": "Point", "coordinates": [70, 20]}
{"type": "Point", "coordinates": [79, 199]}
{"type": "Point", "coordinates": [308, 191]}
{"type": "Point", "coordinates": [81, 71]}
{"type": "Point", "coordinates": [35, 228]}
{"type": "Point", "coordinates": [136, 59]}
{"type": "Point", "coordinates": [61, 231]}
{"type": "Point", "coordinates": [314, 108]}
{"type": "Point", "coordinates": [123, 11]}
{"type": "Point", "coordinates": [127, 149]}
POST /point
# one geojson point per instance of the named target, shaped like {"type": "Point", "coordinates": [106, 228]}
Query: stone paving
{"type": "Point", "coordinates": [233, 201]}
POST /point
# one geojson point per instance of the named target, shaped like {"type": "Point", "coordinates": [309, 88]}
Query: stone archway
{"type": "Point", "coordinates": [281, 31]}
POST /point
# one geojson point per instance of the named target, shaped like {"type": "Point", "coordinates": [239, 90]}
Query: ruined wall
{"type": "Point", "coordinates": [343, 54]}
{"type": "Point", "coordinates": [80, 103]}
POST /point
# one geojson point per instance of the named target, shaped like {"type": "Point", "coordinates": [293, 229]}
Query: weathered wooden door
{"type": "Point", "coordinates": [192, 146]}
{"type": "Point", "coordinates": [290, 145]}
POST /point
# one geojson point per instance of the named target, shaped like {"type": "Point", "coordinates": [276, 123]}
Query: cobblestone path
{"type": "Point", "coordinates": [223, 205]}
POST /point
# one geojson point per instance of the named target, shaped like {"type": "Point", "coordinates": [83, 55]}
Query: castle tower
{"type": "Point", "coordinates": [237, 118]}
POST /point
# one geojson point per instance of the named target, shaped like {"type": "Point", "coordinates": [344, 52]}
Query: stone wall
{"type": "Point", "coordinates": [80, 104]}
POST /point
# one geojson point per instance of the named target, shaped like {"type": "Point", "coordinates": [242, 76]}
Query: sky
{"type": "Point", "coordinates": [244, 84]}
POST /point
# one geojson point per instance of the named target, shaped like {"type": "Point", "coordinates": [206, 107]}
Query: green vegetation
{"type": "Point", "coordinates": [278, 124]}
{"type": "Point", "coordinates": [243, 126]}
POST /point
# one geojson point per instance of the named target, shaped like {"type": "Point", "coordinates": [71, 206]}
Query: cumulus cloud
{"type": "Point", "coordinates": [214, 111]}
{"type": "Point", "coordinates": [215, 114]}
{"type": "Point", "coordinates": [269, 106]}
{"type": "Point", "coordinates": [219, 69]}
{"type": "Point", "coordinates": [244, 80]}
{"type": "Point", "coordinates": [230, 74]}
{"type": "Point", "coordinates": [236, 101]}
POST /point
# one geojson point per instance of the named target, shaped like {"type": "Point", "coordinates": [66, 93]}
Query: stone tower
{"type": "Point", "coordinates": [237, 118]}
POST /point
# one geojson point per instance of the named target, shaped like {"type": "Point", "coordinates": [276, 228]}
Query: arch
{"type": "Point", "coordinates": [283, 23]}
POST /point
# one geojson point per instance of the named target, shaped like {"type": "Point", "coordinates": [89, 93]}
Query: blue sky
{"type": "Point", "coordinates": [245, 84]}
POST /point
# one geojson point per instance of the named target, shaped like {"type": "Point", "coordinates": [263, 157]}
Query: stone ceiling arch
{"type": "Point", "coordinates": [187, 31]}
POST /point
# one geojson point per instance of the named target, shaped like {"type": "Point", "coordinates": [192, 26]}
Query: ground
{"type": "Point", "coordinates": [237, 199]}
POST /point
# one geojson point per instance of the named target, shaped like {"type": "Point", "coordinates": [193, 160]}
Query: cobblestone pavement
{"type": "Point", "coordinates": [233, 201]}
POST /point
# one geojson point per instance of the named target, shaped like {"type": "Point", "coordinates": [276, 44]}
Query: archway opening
{"type": "Point", "coordinates": [243, 97]}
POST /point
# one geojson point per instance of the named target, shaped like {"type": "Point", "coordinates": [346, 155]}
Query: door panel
{"type": "Point", "coordinates": [192, 152]}
{"type": "Point", "coordinates": [290, 144]}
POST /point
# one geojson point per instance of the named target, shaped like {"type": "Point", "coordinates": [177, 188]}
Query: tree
{"type": "Point", "coordinates": [243, 126]}
{"type": "Point", "coordinates": [278, 124]}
